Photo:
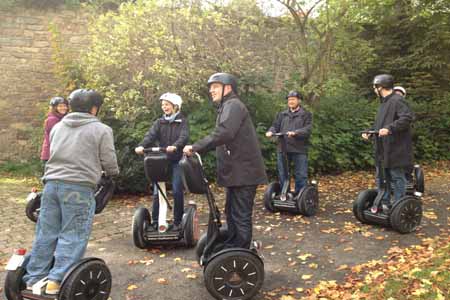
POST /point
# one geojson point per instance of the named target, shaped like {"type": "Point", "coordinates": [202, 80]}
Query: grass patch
{"type": "Point", "coordinates": [429, 280]}
{"type": "Point", "coordinates": [31, 168]}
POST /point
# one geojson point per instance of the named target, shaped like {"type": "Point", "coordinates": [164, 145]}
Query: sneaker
{"type": "Point", "coordinates": [52, 288]}
{"type": "Point", "coordinates": [386, 208]}
{"type": "Point", "coordinates": [175, 227]}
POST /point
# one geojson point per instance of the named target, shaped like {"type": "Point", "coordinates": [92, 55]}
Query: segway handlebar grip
{"type": "Point", "coordinates": [155, 150]}
{"type": "Point", "coordinates": [279, 134]}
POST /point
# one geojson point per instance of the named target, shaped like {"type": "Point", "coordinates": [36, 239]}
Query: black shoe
{"type": "Point", "coordinates": [175, 227]}
{"type": "Point", "coordinates": [154, 226]}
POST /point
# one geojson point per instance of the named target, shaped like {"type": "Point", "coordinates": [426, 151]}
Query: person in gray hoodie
{"type": "Point", "coordinates": [81, 147]}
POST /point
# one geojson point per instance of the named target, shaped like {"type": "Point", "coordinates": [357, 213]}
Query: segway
{"type": "Point", "coordinates": [88, 279]}
{"type": "Point", "coordinates": [277, 197]}
{"type": "Point", "coordinates": [233, 273]}
{"type": "Point", "coordinates": [103, 193]}
{"type": "Point", "coordinates": [405, 214]}
{"type": "Point", "coordinates": [157, 169]}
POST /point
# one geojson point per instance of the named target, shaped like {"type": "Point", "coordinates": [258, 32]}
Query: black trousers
{"type": "Point", "coordinates": [239, 210]}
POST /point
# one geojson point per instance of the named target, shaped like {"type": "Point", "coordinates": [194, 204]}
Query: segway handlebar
{"type": "Point", "coordinates": [279, 134]}
{"type": "Point", "coordinates": [155, 150]}
{"type": "Point", "coordinates": [370, 132]}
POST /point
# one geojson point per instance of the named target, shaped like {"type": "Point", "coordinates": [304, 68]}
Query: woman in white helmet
{"type": "Point", "coordinates": [400, 91]}
{"type": "Point", "coordinates": [172, 132]}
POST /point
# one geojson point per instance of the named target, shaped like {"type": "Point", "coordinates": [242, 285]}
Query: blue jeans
{"type": "Point", "coordinates": [178, 196]}
{"type": "Point", "coordinates": [300, 169]}
{"type": "Point", "coordinates": [62, 231]}
{"type": "Point", "coordinates": [397, 177]}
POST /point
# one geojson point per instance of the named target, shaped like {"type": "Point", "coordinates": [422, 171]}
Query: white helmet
{"type": "Point", "coordinates": [400, 89]}
{"type": "Point", "coordinates": [172, 98]}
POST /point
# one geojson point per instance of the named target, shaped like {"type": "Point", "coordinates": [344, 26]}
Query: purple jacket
{"type": "Point", "coordinates": [52, 120]}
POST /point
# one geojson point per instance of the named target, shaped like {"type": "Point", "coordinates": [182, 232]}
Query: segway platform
{"type": "Point", "coordinates": [405, 214]}
{"type": "Point", "coordinates": [281, 198]}
{"type": "Point", "coordinates": [231, 273]}
{"type": "Point", "coordinates": [157, 169]}
{"type": "Point", "coordinates": [88, 279]}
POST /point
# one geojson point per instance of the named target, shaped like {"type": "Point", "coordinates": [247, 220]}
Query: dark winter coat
{"type": "Point", "coordinates": [52, 119]}
{"type": "Point", "coordinates": [238, 153]}
{"type": "Point", "coordinates": [299, 122]}
{"type": "Point", "coordinates": [395, 115]}
{"type": "Point", "coordinates": [166, 134]}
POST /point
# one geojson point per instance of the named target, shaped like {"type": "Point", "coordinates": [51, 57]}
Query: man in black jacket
{"type": "Point", "coordinates": [240, 166]}
{"type": "Point", "coordinates": [393, 123]}
{"type": "Point", "coordinates": [296, 123]}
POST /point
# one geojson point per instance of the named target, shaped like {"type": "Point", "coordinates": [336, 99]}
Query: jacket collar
{"type": "Point", "coordinates": [294, 113]}
{"type": "Point", "coordinates": [385, 99]}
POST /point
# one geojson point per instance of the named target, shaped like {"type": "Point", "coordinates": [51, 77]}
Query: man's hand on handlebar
{"type": "Point", "coordinates": [290, 133]}
{"type": "Point", "coordinates": [171, 149]}
{"type": "Point", "coordinates": [269, 134]}
{"type": "Point", "coordinates": [188, 150]}
{"type": "Point", "coordinates": [383, 132]}
{"type": "Point", "coordinates": [139, 150]}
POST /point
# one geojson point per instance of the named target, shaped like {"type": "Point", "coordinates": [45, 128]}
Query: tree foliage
{"type": "Point", "coordinates": [330, 50]}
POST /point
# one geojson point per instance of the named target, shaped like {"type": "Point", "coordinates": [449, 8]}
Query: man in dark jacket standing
{"type": "Point", "coordinates": [296, 123]}
{"type": "Point", "coordinates": [393, 123]}
{"type": "Point", "coordinates": [240, 166]}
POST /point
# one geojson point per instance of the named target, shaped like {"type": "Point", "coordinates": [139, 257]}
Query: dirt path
{"type": "Point", "coordinates": [298, 251]}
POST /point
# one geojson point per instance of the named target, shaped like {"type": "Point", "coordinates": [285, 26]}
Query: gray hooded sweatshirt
{"type": "Point", "coordinates": [80, 148]}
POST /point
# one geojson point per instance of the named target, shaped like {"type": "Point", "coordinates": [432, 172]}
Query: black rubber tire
{"type": "Point", "coordinates": [92, 279]}
{"type": "Point", "coordinates": [419, 180]}
{"type": "Point", "coordinates": [308, 201]}
{"type": "Point", "coordinates": [223, 235]}
{"type": "Point", "coordinates": [406, 215]}
{"type": "Point", "coordinates": [32, 208]}
{"type": "Point", "coordinates": [245, 267]}
{"type": "Point", "coordinates": [141, 221]}
{"type": "Point", "coordinates": [191, 227]}
{"type": "Point", "coordinates": [14, 284]}
{"type": "Point", "coordinates": [363, 202]}
{"type": "Point", "coordinates": [272, 188]}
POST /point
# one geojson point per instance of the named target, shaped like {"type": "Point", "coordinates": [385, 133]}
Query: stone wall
{"type": "Point", "coordinates": [27, 78]}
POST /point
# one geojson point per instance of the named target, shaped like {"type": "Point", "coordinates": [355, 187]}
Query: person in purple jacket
{"type": "Point", "coordinates": [58, 109]}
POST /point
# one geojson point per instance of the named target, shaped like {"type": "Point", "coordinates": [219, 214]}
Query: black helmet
{"type": "Point", "coordinates": [294, 94]}
{"type": "Point", "coordinates": [224, 78]}
{"type": "Point", "coordinates": [58, 100]}
{"type": "Point", "coordinates": [384, 80]}
{"type": "Point", "coordinates": [82, 100]}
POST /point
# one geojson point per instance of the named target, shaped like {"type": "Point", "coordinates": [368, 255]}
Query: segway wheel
{"type": "Point", "coordinates": [141, 221]}
{"type": "Point", "coordinates": [14, 284]}
{"type": "Point", "coordinates": [234, 274]}
{"type": "Point", "coordinates": [191, 228]}
{"type": "Point", "coordinates": [33, 207]}
{"type": "Point", "coordinates": [201, 244]}
{"type": "Point", "coordinates": [272, 190]}
{"type": "Point", "coordinates": [364, 202]}
{"type": "Point", "coordinates": [419, 179]}
{"type": "Point", "coordinates": [308, 201]}
{"type": "Point", "coordinates": [90, 280]}
{"type": "Point", "coordinates": [406, 215]}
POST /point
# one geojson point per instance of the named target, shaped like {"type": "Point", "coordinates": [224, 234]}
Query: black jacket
{"type": "Point", "coordinates": [299, 122]}
{"type": "Point", "coordinates": [395, 114]}
{"type": "Point", "coordinates": [168, 134]}
{"type": "Point", "coordinates": [239, 158]}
